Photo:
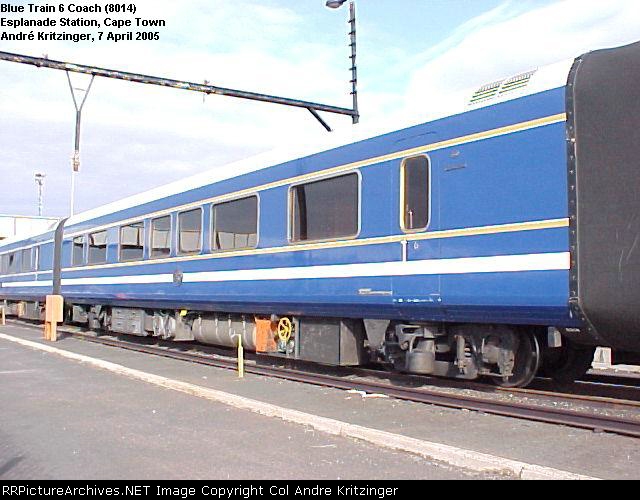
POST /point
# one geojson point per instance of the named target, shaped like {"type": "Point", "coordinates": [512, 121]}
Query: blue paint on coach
{"type": "Point", "coordinates": [514, 178]}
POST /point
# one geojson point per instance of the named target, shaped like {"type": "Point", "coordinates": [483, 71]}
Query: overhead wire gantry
{"type": "Point", "coordinates": [204, 88]}
{"type": "Point", "coordinates": [312, 107]}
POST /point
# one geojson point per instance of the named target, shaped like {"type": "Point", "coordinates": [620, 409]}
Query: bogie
{"type": "Point", "coordinates": [508, 355]}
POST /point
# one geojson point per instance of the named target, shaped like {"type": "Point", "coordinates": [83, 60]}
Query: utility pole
{"type": "Point", "coordinates": [335, 4]}
{"type": "Point", "coordinates": [39, 178]}
{"type": "Point", "coordinates": [354, 67]}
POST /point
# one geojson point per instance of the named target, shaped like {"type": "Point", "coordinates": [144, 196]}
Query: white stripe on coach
{"type": "Point", "coordinates": [23, 284]}
{"type": "Point", "coordinates": [138, 279]}
{"type": "Point", "coordinates": [469, 265]}
{"type": "Point", "coordinates": [499, 264]}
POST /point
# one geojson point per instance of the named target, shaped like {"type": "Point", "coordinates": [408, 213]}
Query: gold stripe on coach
{"type": "Point", "coordinates": [434, 235]}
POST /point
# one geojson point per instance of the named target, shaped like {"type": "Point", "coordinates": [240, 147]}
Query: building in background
{"type": "Point", "coordinates": [17, 225]}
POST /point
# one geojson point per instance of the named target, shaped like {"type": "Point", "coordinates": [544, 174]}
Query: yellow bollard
{"type": "Point", "coordinates": [240, 358]}
{"type": "Point", "coordinates": [3, 319]}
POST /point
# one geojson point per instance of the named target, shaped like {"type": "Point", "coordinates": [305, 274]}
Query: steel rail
{"type": "Point", "coordinates": [557, 416]}
{"type": "Point", "coordinates": [457, 384]}
{"type": "Point", "coordinates": [612, 379]}
{"type": "Point", "coordinates": [42, 62]}
{"type": "Point", "coordinates": [576, 397]}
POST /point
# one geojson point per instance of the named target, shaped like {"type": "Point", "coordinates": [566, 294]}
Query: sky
{"type": "Point", "coordinates": [416, 60]}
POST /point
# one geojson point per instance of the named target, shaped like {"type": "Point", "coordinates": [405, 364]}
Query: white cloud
{"type": "Point", "coordinates": [499, 48]}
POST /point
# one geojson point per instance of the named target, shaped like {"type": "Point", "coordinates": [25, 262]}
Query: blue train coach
{"type": "Point", "coordinates": [495, 242]}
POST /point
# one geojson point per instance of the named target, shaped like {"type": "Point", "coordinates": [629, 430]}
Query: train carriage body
{"type": "Point", "coordinates": [437, 248]}
{"type": "Point", "coordinates": [27, 268]}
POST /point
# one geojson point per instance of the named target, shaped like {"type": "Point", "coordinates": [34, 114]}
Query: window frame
{"type": "Point", "coordinates": [120, 259]}
{"type": "Point", "coordinates": [26, 266]}
{"type": "Point", "coordinates": [11, 262]}
{"type": "Point", "coordinates": [290, 223]}
{"type": "Point", "coordinates": [403, 194]}
{"type": "Point", "coordinates": [171, 237]}
{"type": "Point", "coordinates": [179, 251]}
{"type": "Point", "coordinates": [38, 257]}
{"type": "Point", "coordinates": [84, 254]}
{"type": "Point", "coordinates": [213, 248]}
{"type": "Point", "coordinates": [4, 263]}
{"type": "Point", "coordinates": [106, 247]}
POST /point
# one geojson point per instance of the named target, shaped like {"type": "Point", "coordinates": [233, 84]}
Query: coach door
{"type": "Point", "coordinates": [418, 285]}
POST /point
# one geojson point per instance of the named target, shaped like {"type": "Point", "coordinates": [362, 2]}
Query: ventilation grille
{"type": "Point", "coordinates": [486, 92]}
{"type": "Point", "coordinates": [500, 88]}
{"type": "Point", "coordinates": [517, 82]}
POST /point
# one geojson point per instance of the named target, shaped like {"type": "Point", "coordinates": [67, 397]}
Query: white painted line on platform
{"type": "Point", "coordinates": [457, 457]}
{"type": "Point", "coordinates": [15, 372]}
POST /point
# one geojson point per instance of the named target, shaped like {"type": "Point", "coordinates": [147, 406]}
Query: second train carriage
{"type": "Point", "coordinates": [487, 243]}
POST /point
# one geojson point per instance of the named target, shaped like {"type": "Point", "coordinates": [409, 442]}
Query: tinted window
{"type": "Point", "coordinates": [132, 241]}
{"type": "Point", "coordinates": [325, 209]}
{"type": "Point", "coordinates": [98, 248]}
{"type": "Point", "coordinates": [190, 231]}
{"type": "Point", "coordinates": [235, 224]}
{"type": "Point", "coordinates": [4, 264]}
{"type": "Point", "coordinates": [161, 237]}
{"type": "Point", "coordinates": [77, 258]}
{"type": "Point", "coordinates": [26, 260]}
{"type": "Point", "coordinates": [12, 266]}
{"type": "Point", "coordinates": [415, 193]}
{"type": "Point", "coordinates": [39, 259]}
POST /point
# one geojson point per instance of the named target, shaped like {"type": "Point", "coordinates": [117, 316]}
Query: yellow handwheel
{"type": "Point", "coordinates": [285, 328]}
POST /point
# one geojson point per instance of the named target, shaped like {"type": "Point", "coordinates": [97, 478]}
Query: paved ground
{"type": "Point", "coordinates": [61, 419]}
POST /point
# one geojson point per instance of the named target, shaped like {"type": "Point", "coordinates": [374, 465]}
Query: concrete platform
{"type": "Point", "coordinates": [63, 419]}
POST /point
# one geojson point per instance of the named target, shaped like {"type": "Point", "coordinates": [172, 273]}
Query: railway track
{"type": "Point", "coordinates": [612, 379]}
{"type": "Point", "coordinates": [410, 389]}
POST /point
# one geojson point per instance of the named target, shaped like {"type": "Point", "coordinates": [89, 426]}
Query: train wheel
{"type": "Point", "coordinates": [569, 364]}
{"type": "Point", "coordinates": [527, 362]}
